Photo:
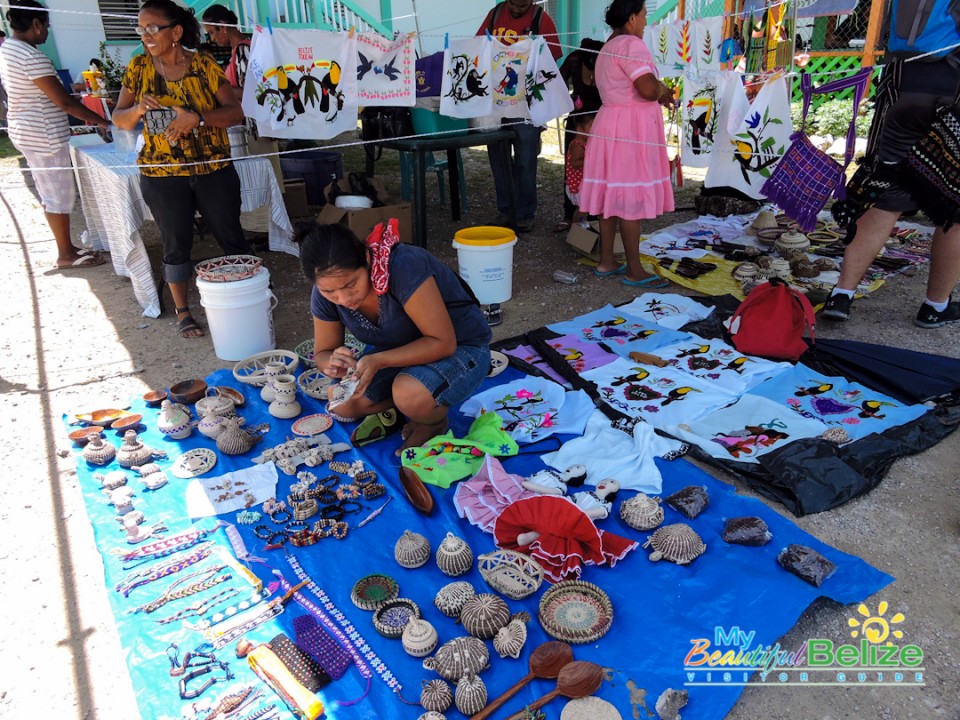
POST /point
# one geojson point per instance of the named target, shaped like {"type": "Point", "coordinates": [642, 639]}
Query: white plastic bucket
{"type": "Point", "coordinates": [240, 315]}
{"type": "Point", "coordinates": [485, 256]}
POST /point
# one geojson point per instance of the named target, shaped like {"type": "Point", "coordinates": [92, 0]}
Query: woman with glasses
{"type": "Point", "coordinates": [185, 161]}
{"type": "Point", "coordinates": [37, 109]}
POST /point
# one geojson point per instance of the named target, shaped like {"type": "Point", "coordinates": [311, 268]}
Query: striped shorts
{"type": "Point", "coordinates": [56, 188]}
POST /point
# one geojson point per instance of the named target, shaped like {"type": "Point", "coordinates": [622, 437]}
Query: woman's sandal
{"type": "Point", "coordinates": [187, 326]}
{"type": "Point", "coordinates": [562, 226]}
{"type": "Point", "coordinates": [375, 427]}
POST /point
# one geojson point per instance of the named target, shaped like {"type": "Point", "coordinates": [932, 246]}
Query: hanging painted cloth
{"type": "Point", "coordinates": [386, 70]}
{"type": "Point", "coordinates": [836, 401]}
{"type": "Point", "coordinates": [302, 83]}
{"type": "Point", "coordinates": [466, 90]}
{"type": "Point", "coordinates": [661, 396]}
{"type": "Point", "coordinates": [628, 459]}
{"type": "Point", "coordinates": [667, 309]}
{"type": "Point", "coordinates": [707, 36]}
{"type": "Point", "coordinates": [659, 38]}
{"type": "Point", "coordinates": [746, 430]}
{"type": "Point", "coordinates": [532, 408]}
{"type": "Point", "coordinates": [532, 357]}
{"type": "Point", "coordinates": [508, 79]}
{"type": "Point", "coordinates": [445, 459]}
{"type": "Point", "coordinates": [620, 332]}
{"type": "Point", "coordinates": [547, 95]}
{"type": "Point", "coordinates": [682, 49]}
{"type": "Point", "coordinates": [746, 156]}
{"type": "Point", "coordinates": [702, 98]}
{"type": "Point", "coordinates": [581, 355]}
{"type": "Point", "coordinates": [482, 498]}
{"type": "Point", "coordinates": [717, 362]}
{"type": "Point", "coordinates": [567, 540]}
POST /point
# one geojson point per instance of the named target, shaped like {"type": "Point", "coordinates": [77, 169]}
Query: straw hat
{"type": "Point", "coordinates": [764, 219]}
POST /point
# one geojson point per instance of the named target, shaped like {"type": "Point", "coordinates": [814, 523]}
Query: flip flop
{"type": "Point", "coordinates": [494, 314]}
{"type": "Point", "coordinates": [562, 226]}
{"type": "Point", "coordinates": [607, 273]}
{"type": "Point", "coordinates": [187, 324]}
{"type": "Point", "coordinates": [84, 261]}
{"type": "Point", "coordinates": [654, 282]}
{"type": "Point", "coordinates": [375, 427]}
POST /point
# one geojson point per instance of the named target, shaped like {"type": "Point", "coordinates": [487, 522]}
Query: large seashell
{"type": "Point", "coordinates": [451, 597]}
{"type": "Point", "coordinates": [419, 638]}
{"type": "Point", "coordinates": [836, 435]}
{"type": "Point", "coordinates": [484, 614]}
{"type": "Point", "coordinates": [677, 543]}
{"type": "Point", "coordinates": [98, 452]}
{"type": "Point", "coordinates": [436, 695]}
{"type": "Point", "coordinates": [471, 694]}
{"type": "Point", "coordinates": [510, 639]}
{"type": "Point", "coordinates": [459, 656]}
{"type": "Point", "coordinates": [412, 550]}
{"type": "Point", "coordinates": [454, 556]}
{"type": "Point", "coordinates": [642, 512]}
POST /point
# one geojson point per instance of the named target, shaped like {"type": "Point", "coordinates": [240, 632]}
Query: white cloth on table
{"type": "Point", "coordinates": [114, 210]}
{"type": "Point", "coordinates": [232, 491]}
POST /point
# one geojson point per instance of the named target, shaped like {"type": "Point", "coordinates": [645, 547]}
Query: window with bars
{"type": "Point", "coordinates": [120, 19]}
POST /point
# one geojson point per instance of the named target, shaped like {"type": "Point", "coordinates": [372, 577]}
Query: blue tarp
{"type": "Point", "coordinates": [660, 608]}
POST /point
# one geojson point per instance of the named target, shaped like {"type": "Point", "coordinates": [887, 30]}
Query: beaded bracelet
{"type": "Point", "coordinates": [365, 478]}
{"type": "Point", "coordinates": [332, 512]}
{"type": "Point", "coordinates": [326, 497]}
{"type": "Point", "coordinates": [295, 497]}
{"type": "Point", "coordinates": [348, 492]}
{"type": "Point", "coordinates": [331, 528]}
{"type": "Point", "coordinates": [372, 491]}
{"type": "Point", "coordinates": [263, 532]}
{"type": "Point", "coordinates": [280, 516]}
{"type": "Point", "coordinates": [271, 506]}
{"type": "Point", "coordinates": [306, 510]}
{"type": "Point", "coordinates": [329, 481]}
{"type": "Point", "coordinates": [339, 466]}
{"type": "Point", "coordinates": [276, 540]}
{"type": "Point", "coordinates": [304, 538]}
{"type": "Point", "coordinates": [356, 506]}
{"type": "Point", "coordinates": [295, 526]}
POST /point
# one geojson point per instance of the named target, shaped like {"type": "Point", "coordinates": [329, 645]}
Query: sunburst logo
{"type": "Point", "coordinates": [876, 627]}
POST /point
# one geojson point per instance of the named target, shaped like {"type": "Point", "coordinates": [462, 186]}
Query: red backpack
{"type": "Point", "coordinates": [771, 322]}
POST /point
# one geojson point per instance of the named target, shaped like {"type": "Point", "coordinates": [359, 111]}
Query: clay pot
{"type": "Point", "coordinates": [284, 404]}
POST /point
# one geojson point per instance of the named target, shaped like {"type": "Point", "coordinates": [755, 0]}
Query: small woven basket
{"type": "Point", "coordinates": [510, 573]}
{"type": "Point", "coordinates": [229, 268]}
{"type": "Point", "coordinates": [305, 351]}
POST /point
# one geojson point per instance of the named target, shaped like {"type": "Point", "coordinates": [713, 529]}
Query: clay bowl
{"type": "Point", "coordinates": [154, 398]}
{"type": "Point", "coordinates": [235, 395]}
{"type": "Point", "coordinates": [82, 436]}
{"type": "Point", "coordinates": [188, 391]}
{"type": "Point", "coordinates": [127, 422]}
{"type": "Point", "coordinates": [101, 418]}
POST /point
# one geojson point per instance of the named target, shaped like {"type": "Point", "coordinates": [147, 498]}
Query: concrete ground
{"type": "Point", "coordinates": [75, 340]}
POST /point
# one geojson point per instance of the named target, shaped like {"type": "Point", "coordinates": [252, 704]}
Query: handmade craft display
{"type": "Point", "coordinates": [707, 38]}
{"type": "Point", "coordinates": [579, 354]}
{"type": "Point", "coordinates": [510, 639]}
{"type": "Point", "coordinates": [419, 638]}
{"type": "Point", "coordinates": [720, 364]}
{"type": "Point", "coordinates": [619, 331]}
{"type": "Point", "coordinates": [547, 94]}
{"type": "Point", "coordinates": [302, 83]}
{"type": "Point", "coordinates": [667, 309]}
{"type": "Point", "coordinates": [436, 696]}
{"type": "Point", "coordinates": [466, 90]}
{"type": "Point", "coordinates": [679, 543]}
{"type": "Point", "coordinates": [576, 612]}
{"type": "Point", "coordinates": [385, 70]}
{"type": "Point", "coordinates": [700, 108]}
{"type": "Point", "coordinates": [659, 40]}
{"type": "Point", "coordinates": [508, 78]}
{"type": "Point", "coordinates": [457, 657]}
{"type": "Point", "coordinates": [98, 452]}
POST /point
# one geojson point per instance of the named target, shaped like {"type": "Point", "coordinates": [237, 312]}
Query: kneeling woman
{"type": "Point", "coordinates": [428, 338]}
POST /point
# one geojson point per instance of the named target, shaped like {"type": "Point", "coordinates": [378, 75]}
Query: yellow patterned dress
{"type": "Point", "coordinates": [196, 91]}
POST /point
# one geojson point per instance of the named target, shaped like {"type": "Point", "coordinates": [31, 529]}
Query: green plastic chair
{"type": "Point", "coordinates": [439, 166]}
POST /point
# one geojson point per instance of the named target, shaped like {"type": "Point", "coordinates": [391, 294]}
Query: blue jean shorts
{"type": "Point", "coordinates": [450, 380]}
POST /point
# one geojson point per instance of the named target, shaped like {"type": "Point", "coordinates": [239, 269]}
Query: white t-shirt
{"type": "Point", "coordinates": [34, 121]}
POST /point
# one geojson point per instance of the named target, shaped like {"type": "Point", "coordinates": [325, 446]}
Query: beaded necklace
{"type": "Point", "coordinates": [351, 638]}
{"type": "Point", "coordinates": [224, 636]}
{"type": "Point", "coordinates": [163, 569]}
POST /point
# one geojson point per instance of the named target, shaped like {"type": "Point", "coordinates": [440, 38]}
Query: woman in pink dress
{"type": "Point", "coordinates": [626, 175]}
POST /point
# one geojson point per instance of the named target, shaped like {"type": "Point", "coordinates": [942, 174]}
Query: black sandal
{"type": "Point", "coordinates": [187, 324]}
{"type": "Point", "coordinates": [493, 314]}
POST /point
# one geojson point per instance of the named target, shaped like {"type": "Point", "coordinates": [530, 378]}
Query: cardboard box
{"type": "Point", "coordinates": [295, 198]}
{"type": "Point", "coordinates": [587, 241]}
{"type": "Point", "coordinates": [361, 222]}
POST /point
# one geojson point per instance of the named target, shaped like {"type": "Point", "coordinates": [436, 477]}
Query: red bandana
{"type": "Point", "coordinates": [380, 242]}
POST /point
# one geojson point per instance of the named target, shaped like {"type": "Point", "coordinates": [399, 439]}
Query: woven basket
{"type": "Point", "coordinates": [229, 268]}
{"type": "Point", "coordinates": [252, 370]}
{"type": "Point", "coordinates": [314, 383]}
{"type": "Point", "coordinates": [576, 612]}
{"type": "Point", "coordinates": [510, 573]}
{"type": "Point", "coordinates": [305, 351]}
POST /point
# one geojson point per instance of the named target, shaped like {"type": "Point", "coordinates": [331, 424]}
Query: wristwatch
{"type": "Point", "coordinates": [202, 121]}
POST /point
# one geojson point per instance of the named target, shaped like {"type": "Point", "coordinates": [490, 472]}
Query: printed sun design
{"type": "Point", "coordinates": [876, 628]}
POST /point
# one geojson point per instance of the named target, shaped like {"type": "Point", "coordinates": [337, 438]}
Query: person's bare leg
{"type": "Point", "coordinates": [608, 233]}
{"type": "Point", "coordinates": [873, 230]}
{"type": "Point", "coordinates": [178, 290]}
{"type": "Point", "coordinates": [427, 419]}
{"type": "Point", "coordinates": [944, 264]}
{"type": "Point", "coordinates": [60, 226]}
{"type": "Point", "coordinates": [630, 235]}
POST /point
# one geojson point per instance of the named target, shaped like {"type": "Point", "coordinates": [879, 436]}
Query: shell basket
{"type": "Point", "coordinates": [229, 268]}
{"type": "Point", "coordinates": [510, 573]}
{"type": "Point", "coordinates": [576, 612]}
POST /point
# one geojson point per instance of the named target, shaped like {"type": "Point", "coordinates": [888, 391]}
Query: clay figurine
{"type": "Point", "coordinates": [112, 480]}
{"type": "Point", "coordinates": [553, 482]}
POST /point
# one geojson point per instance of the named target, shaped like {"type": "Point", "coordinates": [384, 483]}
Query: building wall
{"type": "Point", "coordinates": [77, 35]}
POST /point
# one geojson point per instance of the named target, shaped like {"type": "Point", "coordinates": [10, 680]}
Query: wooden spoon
{"type": "Point", "coordinates": [546, 662]}
{"type": "Point", "coordinates": [576, 680]}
